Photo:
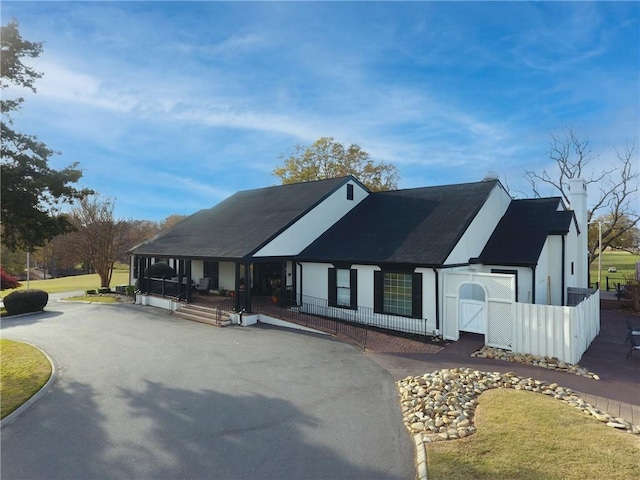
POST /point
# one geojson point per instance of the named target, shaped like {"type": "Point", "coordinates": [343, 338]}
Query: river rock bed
{"type": "Point", "coordinates": [550, 363]}
{"type": "Point", "coordinates": [440, 405]}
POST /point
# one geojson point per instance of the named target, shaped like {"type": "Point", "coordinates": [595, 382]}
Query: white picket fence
{"type": "Point", "coordinates": [561, 332]}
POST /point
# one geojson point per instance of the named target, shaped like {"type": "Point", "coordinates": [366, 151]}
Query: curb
{"type": "Point", "coordinates": [36, 396]}
{"type": "Point", "coordinates": [421, 457]}
{"type": "Point", "coordinates": [10, 317]}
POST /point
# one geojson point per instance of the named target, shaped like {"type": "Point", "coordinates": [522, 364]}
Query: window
{"type": "Point", "coordinates": [349, 191]}
{"type": "Point", "coordinates": [343, 288]}
{"type": "Point", "coordinates": [398, 293]}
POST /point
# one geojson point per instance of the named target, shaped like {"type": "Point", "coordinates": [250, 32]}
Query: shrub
{"type": "Point", "coordinates": [25, 301]}
{"type": "Point", "coordinates": [91, 291]}
{"type": "Point", "coordinates": [7, 281]}
{"type": "Point", "coordinates": [130, 289]}
{"type": "Point", "coordinates": [161, 269]}
{"type": "Point", "coordinates": [104, 290]}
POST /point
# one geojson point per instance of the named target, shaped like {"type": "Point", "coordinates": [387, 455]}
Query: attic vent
{"type": "Point", "coordinates": [491, 175]}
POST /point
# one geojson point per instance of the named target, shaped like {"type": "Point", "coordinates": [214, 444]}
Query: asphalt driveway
{"type": "Point", "coordinates": [141, 394]}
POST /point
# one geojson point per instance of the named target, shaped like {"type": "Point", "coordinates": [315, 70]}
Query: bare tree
{"type": "Point", "coordinates": [100, 239]}
{"type": "Point", "coordinates": [615, 206]}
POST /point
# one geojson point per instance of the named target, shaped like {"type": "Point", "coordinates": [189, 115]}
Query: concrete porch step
{"type": "Point", "coordinates": [201, 314]}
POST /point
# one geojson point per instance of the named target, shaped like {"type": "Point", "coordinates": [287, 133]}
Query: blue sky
{"type": "Point", "coordinates": [172, 107]}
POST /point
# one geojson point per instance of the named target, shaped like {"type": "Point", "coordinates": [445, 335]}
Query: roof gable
{"type": "Point", "coordinates": [522, 232]}
{"type": "Point", "coordinates": [242, 223]}
{"type": "Point", "coordinates": [415, 226]}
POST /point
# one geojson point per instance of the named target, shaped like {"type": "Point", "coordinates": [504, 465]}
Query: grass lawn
{"type": "Point", "coordinates": [76, 282]}
{"type": "Point", "coordinates": [526, 436]}
{"type": "Point", "coordinates": [23, 371]}
{"type": "Point", "coordinates": [624, 262]}
{"type": "Point", "coordinates": [93, 299]}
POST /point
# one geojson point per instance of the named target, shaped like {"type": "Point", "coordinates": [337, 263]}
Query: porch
{"type": "Point", "coordinates": [212, 280]}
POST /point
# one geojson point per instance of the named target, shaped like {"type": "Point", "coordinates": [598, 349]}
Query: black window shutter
{"type": "Point", "coordinates": [417, 295]}
{"type": "Point", "coordinates": [333, 288]}
{"type": "Point", "coordinates": [378, 291]}
{"type": "Point", "coordinates": [353, 285]}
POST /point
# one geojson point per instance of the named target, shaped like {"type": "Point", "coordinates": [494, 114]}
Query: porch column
{"type": "Point", "coordinates": [180, 276]}
{"type": "Point", "coordinates": [188, 272]}
{"type": "Point", "coordinates": [147, 275]}
{"type": "Point", "coordinates": [247, 288]}
{"type": "Point", "coordinates": [236, 297]}
{"type": "Point", "coordinates": [283, 285]}
{"type": "Point", "coordinates": [142, 275]}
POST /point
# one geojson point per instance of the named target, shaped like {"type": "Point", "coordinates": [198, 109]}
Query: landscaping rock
{"type": "Point", "coordinates": [440, 405]}
{"type": "Point", "coordinates": [550, 363]}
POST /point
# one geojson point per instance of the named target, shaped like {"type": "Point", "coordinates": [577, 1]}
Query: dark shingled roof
{"type": "Point", "coordinates": [416, 226]}
{"type": "Point", "coordinates": [521, 233]}
{"type": "Point", "coordinates": [242, 223]}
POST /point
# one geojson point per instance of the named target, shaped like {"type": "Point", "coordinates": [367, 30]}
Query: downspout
{"type": "Point", "coordinates": [294, 282]}
{"type": "Point", "coordinates": [435, 272]}
{"type": "Point", "coordinates": [533, 284]}
{"type": "Point", "coordinates": [562, 296]}
{"type": "Point", "coordinates": [301, 283]}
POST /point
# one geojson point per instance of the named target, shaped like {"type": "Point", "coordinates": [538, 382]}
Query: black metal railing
{"type": "Point", "coordinates": [224, 307]}
{"type": "Point", "coordinates": [168, 288]}
{"type": "Point", "coordinates": [353, 323]}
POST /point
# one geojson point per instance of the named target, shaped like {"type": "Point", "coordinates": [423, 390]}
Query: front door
{"type": "Point", "coordinates": [212, 272]}
{"type": "Point", "coordinates": [267, 278]}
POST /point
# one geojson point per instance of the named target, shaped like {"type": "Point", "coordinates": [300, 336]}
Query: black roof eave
{"type": "Point", "coordinates": [497, 263]}
{"type": "Point", "coordinates": [381, 264]}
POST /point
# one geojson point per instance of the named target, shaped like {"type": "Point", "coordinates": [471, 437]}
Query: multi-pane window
{"type": "Point", "coordinates": [398, 293]}
{"type": "Point", "coordinates": [343, 287]}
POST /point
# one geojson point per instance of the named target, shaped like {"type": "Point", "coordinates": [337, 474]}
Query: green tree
{"type": "Point", "coordinates": [32, 192]}
{"type": "Point", "coordinates": [327, 158]}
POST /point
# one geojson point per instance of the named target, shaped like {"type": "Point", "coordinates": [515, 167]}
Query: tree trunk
{"type": "Point", "coordinates": [105, 277]}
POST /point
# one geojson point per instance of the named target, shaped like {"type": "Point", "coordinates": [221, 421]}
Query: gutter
{"type": "Point", "coordinates": [435, 272]}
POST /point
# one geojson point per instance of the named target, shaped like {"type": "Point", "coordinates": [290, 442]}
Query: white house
{"type": "Point", "coordinates": [432, 260]}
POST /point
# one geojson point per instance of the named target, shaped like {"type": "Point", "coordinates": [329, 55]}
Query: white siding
{"type": "Point", "coordinates": [307, 229]}
{"type": "Point", "coordinates": [315, 280]}
{"type": "Point", "coordinates": [481, 228]}
{"type": "Point", "coordinates": [227, 275]}
{"type": "Point", "coordinates": [315, 284]}
{"type": "Point", "coordinates": [365, 284]}
{"type": "Point", "coordinates": [429, 296]}
{"type": "Point", "coordinates": [197, 270]}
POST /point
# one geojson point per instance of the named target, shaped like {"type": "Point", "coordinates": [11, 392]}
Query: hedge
{"type": "Point", "coordinates": [161, 269]}
{"type": "Point", "coordinates": [25, 301]}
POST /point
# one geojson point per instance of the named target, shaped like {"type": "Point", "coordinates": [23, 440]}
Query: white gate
{"type": "Point", "coordinates": [472, 317]}
{"type": "Point", "coordinates": [500, 306]}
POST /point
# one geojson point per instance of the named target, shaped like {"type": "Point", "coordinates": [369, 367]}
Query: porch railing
{"type": "Point", "coordinates": [165, 287]}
